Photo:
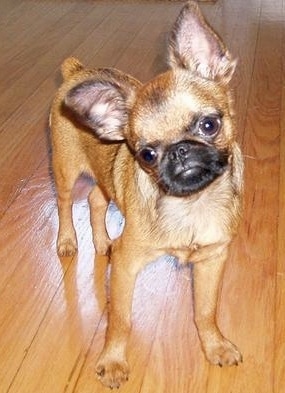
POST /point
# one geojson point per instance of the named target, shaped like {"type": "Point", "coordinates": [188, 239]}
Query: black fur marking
{"type": "Point", "coordinates": [188, 167]}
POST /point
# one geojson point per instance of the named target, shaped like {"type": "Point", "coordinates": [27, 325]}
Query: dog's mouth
{"type": "Point", "coordinates": [190, 169]}
{"type": "Point", "coordinates": [187, 167]}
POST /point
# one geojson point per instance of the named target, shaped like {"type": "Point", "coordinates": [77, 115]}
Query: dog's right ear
{"type": "Point", "coordinates": [100, 105]}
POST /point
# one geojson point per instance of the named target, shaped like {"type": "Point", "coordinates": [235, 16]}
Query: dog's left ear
{"type": "Point", "coordinates": [194, 46]}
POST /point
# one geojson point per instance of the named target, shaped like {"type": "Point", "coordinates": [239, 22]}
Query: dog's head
{"type": "Point", "coordinates": [179, 126]}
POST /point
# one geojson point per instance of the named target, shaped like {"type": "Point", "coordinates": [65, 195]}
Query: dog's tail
{"type": "Point", "coordinates": [69, 67]}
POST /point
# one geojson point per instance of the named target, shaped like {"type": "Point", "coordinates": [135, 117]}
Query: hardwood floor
{"type": "Point", "coordinates": [52, 312]}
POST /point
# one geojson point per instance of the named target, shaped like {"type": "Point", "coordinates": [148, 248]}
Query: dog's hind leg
{"type": "Point", "coordinates": [65, 180]}
{"type": "Point", "coordinates": [98, 207]}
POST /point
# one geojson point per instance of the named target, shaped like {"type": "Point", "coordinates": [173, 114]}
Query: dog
{"type": "Point", "coordinates": [166, 153]}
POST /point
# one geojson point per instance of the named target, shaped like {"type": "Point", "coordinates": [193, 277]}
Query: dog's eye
{"type": "Point", "coordinates": [148, 155]}
{"type": "Point", "coordinates": [209, 126]}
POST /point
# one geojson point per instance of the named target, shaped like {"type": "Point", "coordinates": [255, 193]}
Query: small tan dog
{"type": "Point", "coordinates": [165, 152]}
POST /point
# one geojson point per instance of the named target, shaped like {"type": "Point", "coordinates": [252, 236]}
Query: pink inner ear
{"type": "Point", "coordinates": [110, 117]}
{"type": "Point", "coordinates": [81, 97]}
{"type": "Point", "coordinates": [199, 42]}
{"type": "Point", "coordinates": [101, 106]}
{"type": "Point", "coordinates": [195, 46]}
{"type": "Point", "coordinates": [98, 95]}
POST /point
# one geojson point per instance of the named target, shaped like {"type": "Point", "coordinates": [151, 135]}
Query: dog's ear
{"type": "Point", "coordinates": [194, 46]}
{"type": "Point", "coordinates": [102, 106]}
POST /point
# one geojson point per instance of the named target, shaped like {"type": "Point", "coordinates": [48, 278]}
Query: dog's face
{"type": "Point", "coordinates": [179, 126]}
{"type": "Point", "coordinates": [181, 131]}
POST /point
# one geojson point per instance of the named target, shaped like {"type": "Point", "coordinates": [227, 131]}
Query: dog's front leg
{"type": "Point", "coordinates": [112, 367]}
{"type": "Point", "coordinates": [207, 279]}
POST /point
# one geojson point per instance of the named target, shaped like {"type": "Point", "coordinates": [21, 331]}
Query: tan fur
{"type": "Point", "coordinates": [102, 136]}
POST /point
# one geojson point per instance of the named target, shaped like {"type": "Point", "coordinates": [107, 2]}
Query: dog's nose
{"type": "Point", "coordinates": [179, 151]}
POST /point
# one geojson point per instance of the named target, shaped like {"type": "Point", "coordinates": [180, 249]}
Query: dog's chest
{"type": "Point", "coordinates": [190, 225]}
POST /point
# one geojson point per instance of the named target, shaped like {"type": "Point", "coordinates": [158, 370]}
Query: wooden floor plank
{"type": "Point", "coordinates": [259, 229]}
{"type": "Point", "coordinates": [68, 35]}
{"type": "Point", "coordinates": [279, 381]}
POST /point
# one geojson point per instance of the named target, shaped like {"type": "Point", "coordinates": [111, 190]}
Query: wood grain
{"type": "Point", "coordinates": [52, 312]}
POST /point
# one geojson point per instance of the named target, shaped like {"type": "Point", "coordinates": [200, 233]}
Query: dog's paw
{"type": "Point", "coordinates": [112, 373]}
{"type": "Point", "coordinates": [66, 248]}
{"type": "Point", "coordinates": [223, 353]}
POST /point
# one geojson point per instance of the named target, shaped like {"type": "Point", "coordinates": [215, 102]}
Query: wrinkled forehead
{"type": "Point", "coordinates": [170, 103]}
